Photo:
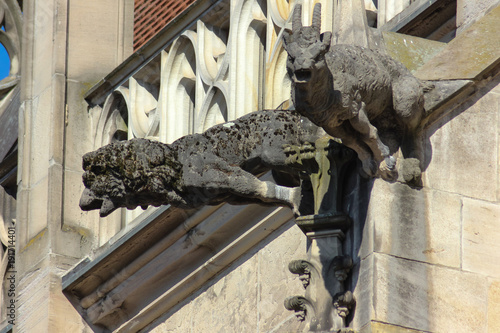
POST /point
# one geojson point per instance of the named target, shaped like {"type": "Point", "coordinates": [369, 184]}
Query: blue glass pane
{"type": "Point", "coordinates": [4, 62]}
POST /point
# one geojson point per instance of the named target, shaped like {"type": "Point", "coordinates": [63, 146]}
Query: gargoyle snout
{"type": "Point", "coordinates": [304, 64]}
{"type": "Point", "coordinates": [89, 201]}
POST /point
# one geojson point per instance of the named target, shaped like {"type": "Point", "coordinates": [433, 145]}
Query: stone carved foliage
{"type": "Point", "coordinates": [325, 299]}
{"type": "Point", "coordinates": [301, 305]}
{"type": "Point", "coordinates": [303, 269]}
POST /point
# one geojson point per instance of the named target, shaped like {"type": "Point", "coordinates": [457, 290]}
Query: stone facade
{"type": "Point", "coordinates": [425, 258]}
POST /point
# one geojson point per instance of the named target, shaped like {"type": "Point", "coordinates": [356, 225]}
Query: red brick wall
{"type": "Point", "coordinates": [150, 16]}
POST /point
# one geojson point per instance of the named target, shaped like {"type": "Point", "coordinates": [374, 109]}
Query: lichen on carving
{"type": "Point", "coordinates": [219, 165]}
{"type": "Point", "coordinates": [362, 96]}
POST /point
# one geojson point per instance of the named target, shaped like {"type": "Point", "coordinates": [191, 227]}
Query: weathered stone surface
{"type": "Point", "coordinates": [442, 92]}
{"type": "Point", "coordinates": [457, 163]}
{"type": "Point", "coordinates": [61, 42]}
{"type": "Point", "coordinates": [89, 45]}
{"type": "Point", "coordinates": [473, 51]}
{"type": "Point", "coordinates": [363, 289]}
{"type": "Point", "coordinates": [199, 169]}
{"type": "Point", "coordinates": [417, 224]}
{"type": "Point", "coordinates": [40, 297]}
{"type": "Point", "coordinates": [276, 282]}
{"type": "Point", "coordinates": [442, 229]}
{"type": "Point", "coordinates": [180, 319]}
{"type": "Point", "coordinates": [346, 89]}
{"type": "Point", "coordinates": [248, 296]}
{"type": "Point", "coordinates": [40, 32]}
{"type": "Point", "coordinates": [480, 235]}
{"type": "Point", "coordinates": [411, 51]}
{"type": "Point", "coordinates": [230, 302]}
{"type": "Point", "coordinates": [428, 297]}
{"type": "Point", "coordinates": [38, 143]}
{"type": "Point", "coordinates": [469, 12]}
{"type": "Point", "coordinates": [494, 306]}
{"type": "Point", "coordinates": [37, 210]}
{"type": "Point", "coordinates": [78, 140]}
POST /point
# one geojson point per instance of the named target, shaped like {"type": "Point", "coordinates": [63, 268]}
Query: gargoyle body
{"type": "Point", "coordinates": [362, 96]}
{"type": "Point", "coordinates": [216, 166]}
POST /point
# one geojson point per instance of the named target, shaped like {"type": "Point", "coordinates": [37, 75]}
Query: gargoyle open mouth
{"type": "Point", "coordinates": [302, 75]}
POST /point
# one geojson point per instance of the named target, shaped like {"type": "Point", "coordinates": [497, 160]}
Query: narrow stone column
{"type": "Point", "coordinates": [326, 303]}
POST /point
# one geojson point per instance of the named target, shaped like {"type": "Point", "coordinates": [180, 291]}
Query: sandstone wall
{"type": "Point", "coordinates": [248, 296]}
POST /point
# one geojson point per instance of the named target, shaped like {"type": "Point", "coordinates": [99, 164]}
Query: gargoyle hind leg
{"type": "Point", "coordinates": [369, 135]}
{"type": "Point", "coordinates": [244, 185]}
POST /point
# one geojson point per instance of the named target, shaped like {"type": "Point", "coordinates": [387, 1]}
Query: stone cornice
{"type": "Point", "coordinates": [164, 258]}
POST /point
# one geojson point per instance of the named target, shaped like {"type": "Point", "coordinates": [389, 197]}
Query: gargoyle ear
{"type": "Point", "coordinates": [287, 37]}
{"type": "Point", "coordinates": [326, 38]}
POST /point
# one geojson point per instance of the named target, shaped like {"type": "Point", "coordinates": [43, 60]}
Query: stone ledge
{"type": "Point", "coordinates": [165, 258]}
{"type": "Point", "coordinates": [469, 55]}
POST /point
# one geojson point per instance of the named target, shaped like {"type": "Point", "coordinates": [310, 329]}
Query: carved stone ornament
{"type": "Point", "coordinates": [324, 163]}
{"type": "Point", "coordinates": [303, 269]}
{"type": "Point", "coordinates": [344, 302]}
{"type": "Point", "coordinates": [301, 306]}
{"type": "Point", "coordinates": [216, 166]}
{"type": "Point", "coordinates": [362, 96]}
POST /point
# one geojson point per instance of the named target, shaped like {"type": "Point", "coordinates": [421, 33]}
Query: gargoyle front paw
{"type": "Point", "coordinates": [410, 172]}
{"type": "Point", "coordinates": [388, 170]}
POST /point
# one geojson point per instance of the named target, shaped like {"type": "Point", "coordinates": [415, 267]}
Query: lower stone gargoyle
{"type": "Point", "coordinates": [219, 165]}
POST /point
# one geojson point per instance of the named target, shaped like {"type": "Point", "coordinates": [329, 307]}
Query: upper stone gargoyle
{"type": "Point", "coordinates": [362, 96]}
{"type": "Point", "coordinates": [216, 166]}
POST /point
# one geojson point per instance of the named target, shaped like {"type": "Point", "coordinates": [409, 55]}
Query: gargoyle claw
{"type": "Point", "coordinates": [388, 170]}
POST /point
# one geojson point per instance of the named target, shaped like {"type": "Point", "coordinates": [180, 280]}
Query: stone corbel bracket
{"type": "Point", "coordinates": [326, 303]}
{"type": "Point", "coordinates": [302, 307]}
{"type": "Point", "coordinates": [320, 308]}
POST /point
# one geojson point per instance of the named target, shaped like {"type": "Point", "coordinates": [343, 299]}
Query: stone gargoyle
{"type": "Point", "coordinates": [219, 165]}
{"type": "Point", "coordinates": [362, 96]}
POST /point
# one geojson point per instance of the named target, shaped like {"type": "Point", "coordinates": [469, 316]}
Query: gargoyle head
{"type": "Point", "coordinates": [306, 46]}
{"type": "Point", "coordinates": [128, 174]}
